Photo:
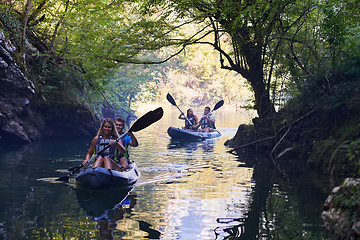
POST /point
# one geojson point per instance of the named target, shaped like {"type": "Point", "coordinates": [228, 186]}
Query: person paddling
{"type": "Point", "coordinates": [106, 135]}
{"type": "Point", "coordinates": [129, 140]}
{"type": "Point", "coordinates": [207, 122]}
{"type": "Point", "coordinates": [191, 118]}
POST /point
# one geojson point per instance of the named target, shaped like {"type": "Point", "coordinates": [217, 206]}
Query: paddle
{"type": "Point", "coordinates": [216, 107]}
{"type": "Point", "coordinates": [172, 101]}
{"type": "Point", "coordinates": [143, 122]}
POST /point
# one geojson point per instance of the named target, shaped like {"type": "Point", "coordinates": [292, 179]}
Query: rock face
{"type": "Point", "coordinates": [24, 116]}
{"type": "Point", "coordinates": [341, 210]}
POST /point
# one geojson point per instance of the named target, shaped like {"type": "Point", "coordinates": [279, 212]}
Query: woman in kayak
{"type": "Point", "coordinates": [191, 120]}
{"type": "Point", "coordinates": [106, 135]}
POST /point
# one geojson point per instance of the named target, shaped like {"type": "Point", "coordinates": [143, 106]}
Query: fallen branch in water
{"type": "Point", "coordinates": [280, 140]}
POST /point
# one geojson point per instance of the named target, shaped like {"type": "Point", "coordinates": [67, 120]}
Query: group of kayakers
{"type": "Point", "coordinates": [205, 124]}
{"type": "Point", "coordinates": [115, 157]}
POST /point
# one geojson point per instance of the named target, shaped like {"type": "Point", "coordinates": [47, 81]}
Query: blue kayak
{"type": "Point", "coordinates": [98, 178]}
{"type": "Point", "coordinates": [178, 133]}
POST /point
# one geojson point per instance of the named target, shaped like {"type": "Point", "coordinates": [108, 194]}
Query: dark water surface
{"type": "Point", "coordinates": [187, 191]}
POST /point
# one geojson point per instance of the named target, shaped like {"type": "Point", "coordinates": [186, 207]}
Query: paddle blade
{"type": "Point", "coordinates": [63, 179]}
{"type": "Point", "coordinates": [147, 119]}
{"type": "Point", "coordinates": [170, 99]}
{"type": "Point", "coordinates": [218, 105]}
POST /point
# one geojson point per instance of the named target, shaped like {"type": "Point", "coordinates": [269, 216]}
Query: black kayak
{"type": "Point", "coordinates": [178, 133]}
{"type": "Point", "coordinates": [98, 178]}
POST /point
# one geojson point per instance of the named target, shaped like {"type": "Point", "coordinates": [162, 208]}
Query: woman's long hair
{"type": "Point", "coordinates": [187, 112]}
{"type": "Point", "coordinates": [114, 133]}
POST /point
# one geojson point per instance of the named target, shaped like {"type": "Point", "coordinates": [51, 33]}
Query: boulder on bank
{"type": "Point", "coordinates": [342, 210]}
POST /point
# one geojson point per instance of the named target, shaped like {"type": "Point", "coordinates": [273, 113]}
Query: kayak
{"type": "Point", "coordinates": [178, 133]}
{"type": "Point", "coordinates": [98, 178]}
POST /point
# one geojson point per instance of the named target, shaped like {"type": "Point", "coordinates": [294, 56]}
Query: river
{"type": "Point", "coordinates": [187, 190]}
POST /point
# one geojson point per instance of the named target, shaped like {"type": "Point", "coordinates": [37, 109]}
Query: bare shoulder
{"type": "Point", "coordinates": [94, 139]}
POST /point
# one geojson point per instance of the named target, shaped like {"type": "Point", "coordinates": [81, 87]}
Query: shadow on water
{"type": "Point", "coordinates": [107, 208]}
{"type": "Point", "coordinates": [281, 207]}
{"type": "Point", "coordinates": [21, 194]}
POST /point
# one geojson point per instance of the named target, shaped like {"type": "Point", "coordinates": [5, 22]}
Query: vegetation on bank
{"type": "Point", "coordinates": [319, 127]}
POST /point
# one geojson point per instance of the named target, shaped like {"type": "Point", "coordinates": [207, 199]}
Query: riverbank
{"type": "Point", "coordinates": [320, 142]}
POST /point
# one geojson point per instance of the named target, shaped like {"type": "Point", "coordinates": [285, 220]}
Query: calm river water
{"type": "Point", "coordinates": [188, 190]}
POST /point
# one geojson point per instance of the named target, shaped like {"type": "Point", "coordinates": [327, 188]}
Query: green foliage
{"type": "Point", "coordinates": [131, 85]}
{"type": "Point", "coordinates": [195, 80]}
{"type": "Point", "coordinates": [296, 48]}
{"type": "Point", "coordinates": [354, 150]}
{"type": "Point", "coordinates": [10, 23]}
{"type": "Point", "coordinates": [348, 200]}
{"type": "Point", "coordinates": [250, 36]}
{"type": "Point", "coordinates": [326, 77]}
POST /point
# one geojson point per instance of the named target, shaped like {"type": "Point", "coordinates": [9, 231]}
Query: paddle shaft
{"type": "Point", "coordinates": [143, 122]}
{"type": "Point", "coordinates": [118, 139]}
{"type": "Point", "coordinates": [172, 101]}
{"type": "Point", "coordinates": [76, 169]}
{"type": "Point", "coordinates": [185, 116]}
{"type": "Point", "coordinates": [216, 107]}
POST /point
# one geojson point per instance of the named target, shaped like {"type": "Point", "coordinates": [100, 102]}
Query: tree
{"type": "Point", "coordinates": [253, 38]}
{"type": "Point", "coordinates": [247, 34]}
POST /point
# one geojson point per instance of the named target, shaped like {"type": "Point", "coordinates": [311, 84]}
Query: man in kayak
{"type": "Point", "coordinates": [191, 120]}
{"type": "Point", "coordinates": [130, 139]}
{"type": "Point", "coordinates": [207, 122]}
{"type": "Point", "coordinates": [106, 135]}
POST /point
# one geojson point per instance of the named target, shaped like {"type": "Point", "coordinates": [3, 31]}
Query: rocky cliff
{"type": "Point", "coordinates": [25, 116]}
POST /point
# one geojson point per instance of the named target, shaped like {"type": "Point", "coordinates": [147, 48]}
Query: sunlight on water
{"type": "Point", "coordinates": [190, 183]}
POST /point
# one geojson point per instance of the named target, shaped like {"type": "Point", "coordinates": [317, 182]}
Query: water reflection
{"type": "Point", "coordinates": [233, 228]}
{"type": "Point", "coordinates": [188, 146]}
{"type": "Point", "coordinates": [206, 145]}
{"type": "Point", "coordinates": [99, 205]}
{"type": "Point", "coordinates": [107, 208]}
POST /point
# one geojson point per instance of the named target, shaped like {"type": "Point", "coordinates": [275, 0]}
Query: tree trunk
{"type": "Point", "coordinates": [263, 104]}
{"type": "Point", "coordinates": [255, 75]}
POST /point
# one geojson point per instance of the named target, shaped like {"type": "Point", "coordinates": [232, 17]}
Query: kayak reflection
{"type": "Point", "coordinates": [206, 145]}
{"type": "Point", "coordinates": [107, 207]}
{"type": "Point", "coordinates": [191, 146]}
{"type": "Point", "coordinates": [97, 205]}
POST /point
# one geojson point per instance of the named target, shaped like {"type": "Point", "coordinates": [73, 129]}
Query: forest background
{"type": "Point", "coordinates": [297, 63]}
